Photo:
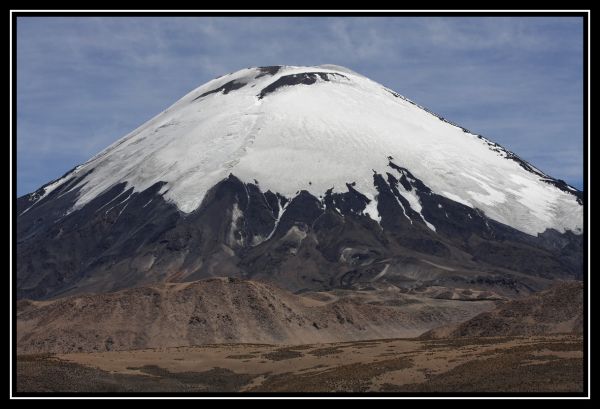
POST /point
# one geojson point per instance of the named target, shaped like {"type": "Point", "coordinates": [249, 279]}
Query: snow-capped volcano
{"type": "Point", "coordinates": [313, 178]}
{"type": "Point", "coordinates": [317, 128]}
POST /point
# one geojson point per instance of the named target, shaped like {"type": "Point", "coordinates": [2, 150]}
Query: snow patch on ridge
{"type": "Point", "coordinates": [48, 189]}
{"type": "Point", "coordinates": [236, 214]}
{"type": "Point", "coordinates": [371, 208]}
{"type": "Point", "coordinates": [403, 210]}
{"type": "Point", "coordinates": [415, 203]}
{"type": "Point", "coordinates": [279, 216]}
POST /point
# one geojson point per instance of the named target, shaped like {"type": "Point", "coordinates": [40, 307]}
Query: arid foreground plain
{"type": "Point", "coordinates": [541, 349]}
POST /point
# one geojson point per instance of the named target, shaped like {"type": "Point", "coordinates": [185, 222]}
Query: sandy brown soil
{"type": "Point", "coordinates": [550, 363]}
{"type": "Point", "coordinates": [556, 310]}
{"type": "Point", "coordinates": [225, 310]}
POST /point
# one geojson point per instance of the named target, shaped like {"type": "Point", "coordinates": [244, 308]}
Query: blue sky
{"type": "Point", "coordinates": [85, 82]}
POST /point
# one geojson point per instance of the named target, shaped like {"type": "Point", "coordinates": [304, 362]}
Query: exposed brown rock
{"type": "Point", "coordinates": [226, 310]}
{"type": "Point", "coordinates": [558, 309]}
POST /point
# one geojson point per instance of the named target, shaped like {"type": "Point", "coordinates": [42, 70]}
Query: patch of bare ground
{"type": "Point", "coordinates": [552, 347]}
{"type": "Point", "coordinates": [49, 374]}
{"type": "Point", "coordinates": [556, 310]}
{"type": "Point", "coordinates": [300, 347]}
{"type": "Point", "coordinates": [499, 364]}
{"type": "Point", "coordinates": [281, 354]}
{"type": "Point", "coordinates": [346, 378]}
{"type": "Point", "coordinates": [326, 351]}
{"type": "Point", "coordinates": [508, 372]}
{"type": "Point", "coordinates": [213, 380]}
{"type": "Point", "coordinates": [241, 356]}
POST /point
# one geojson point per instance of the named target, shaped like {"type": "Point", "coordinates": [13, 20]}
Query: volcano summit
{"type": "Point", "coordinates": [310, 178]}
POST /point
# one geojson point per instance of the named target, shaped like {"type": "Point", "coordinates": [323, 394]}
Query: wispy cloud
{"type": "Point", "coordinates": [84, 82]}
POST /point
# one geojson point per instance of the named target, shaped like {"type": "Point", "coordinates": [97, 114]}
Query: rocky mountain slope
{"type": "Point", "coordinates": [313, 178]}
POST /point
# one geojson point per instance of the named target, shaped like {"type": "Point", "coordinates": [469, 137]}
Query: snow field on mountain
{"type": "Point", "coordinates": [318, 136]}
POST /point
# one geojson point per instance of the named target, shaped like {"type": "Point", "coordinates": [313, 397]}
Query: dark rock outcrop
{"type": "Point", "coordinates": [123, 239]}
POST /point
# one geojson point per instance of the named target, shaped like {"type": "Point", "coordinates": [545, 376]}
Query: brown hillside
{"type": "Point", "coordinates": [222, 310]}
{"type": "Point", "coordinates": [558, 309]}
